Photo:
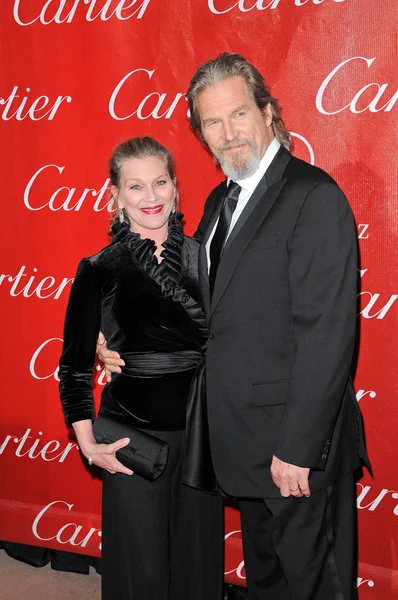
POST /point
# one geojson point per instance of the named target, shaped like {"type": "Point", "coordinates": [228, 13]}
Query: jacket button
{"type": "Point", "coordinates": [211, 335]}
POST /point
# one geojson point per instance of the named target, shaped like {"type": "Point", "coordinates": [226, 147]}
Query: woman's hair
{"type": "Point", "coordinates": [138, 147]}
{"type": "Point", "coordinates": [223, 67]}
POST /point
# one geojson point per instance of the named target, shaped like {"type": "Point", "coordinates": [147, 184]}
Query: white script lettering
{"type": "Point", "coordinates": [47, 373]}
{"type": "Point", "coordinates": [373, 504]}
{"type": "Point", "coordinates": [149, 106]}
{"type": "Point", "coordinates": [362, 231]}
{"type": "Point", "coordinates": [72, 530]}
{"type": "Point", "coordinates": [60, 11]}
{"type": "Point", "coordinates": [32, 450]}
{"type": "Point", "coordinates": [32, 287]}
{"type": "Point", "coordinates": [361, 581]}
{"type": "Point", "coordinates": [63, 196]}
{"type": "Point", "coordinates": [32, 109]}
{"type": "Point", "coordinates": [361, 393]}
{"type": "Point", "coordinates": [243, 5]}
{"type": "Point", "coordinates": [372, 106]}
{"type": "Point", "coordinates": [373, 299]}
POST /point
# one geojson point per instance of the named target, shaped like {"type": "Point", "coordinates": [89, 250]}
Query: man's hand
{"type": "Point", "coordinates": [111, 359]}
{"type": "Point", "coordinates": [291, 480]}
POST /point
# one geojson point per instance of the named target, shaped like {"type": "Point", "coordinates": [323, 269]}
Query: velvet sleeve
{"type": "Point", "coordinates": [82, 324]}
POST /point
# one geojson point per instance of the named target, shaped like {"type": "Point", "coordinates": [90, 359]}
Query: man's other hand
{"type": "Point", "coordinates": [290, 479]}
{"type": "Point", "coordinates": [111, 359]}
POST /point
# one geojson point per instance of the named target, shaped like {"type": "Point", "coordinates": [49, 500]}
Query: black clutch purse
{"type": "Point", "coordinates": [146, 455]}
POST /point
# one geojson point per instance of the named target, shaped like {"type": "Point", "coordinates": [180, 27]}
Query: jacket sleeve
{"type": "Point", "coordinates": [323, 288]}
{"type": "Point", "coordinates": [198, 235]}
{"type": "Point", "coordinates": [82, 324]}
{"type": "Point", "coordinates": [207, 212]}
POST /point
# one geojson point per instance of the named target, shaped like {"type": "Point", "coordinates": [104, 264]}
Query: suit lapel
{"type": "Point", "coordinates": [256, 210]}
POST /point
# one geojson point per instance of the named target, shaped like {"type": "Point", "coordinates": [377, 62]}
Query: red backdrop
{"type": "Point", "coordinates": [77, 77]}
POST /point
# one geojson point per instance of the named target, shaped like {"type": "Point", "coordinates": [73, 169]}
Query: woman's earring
{"type": "Point", "coordinates": [121, 215]}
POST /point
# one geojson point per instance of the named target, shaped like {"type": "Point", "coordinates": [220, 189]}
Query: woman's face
{"type": "Point", "coordinates": [146, 192]}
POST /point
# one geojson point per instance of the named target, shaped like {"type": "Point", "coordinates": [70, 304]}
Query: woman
{"type": "Point", "coordinates": [162, 540]}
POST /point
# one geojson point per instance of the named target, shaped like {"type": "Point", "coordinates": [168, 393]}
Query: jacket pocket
{"type": "Point", "coordinates": [268, 393]}
{"type": "Point", "coordinates": [262, 244]}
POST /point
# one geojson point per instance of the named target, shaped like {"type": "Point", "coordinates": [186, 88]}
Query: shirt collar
{"type": "Point", "coordinates": [250, 183]}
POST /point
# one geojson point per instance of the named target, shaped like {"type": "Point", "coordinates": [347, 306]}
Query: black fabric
{"type": "Point", "coordinates": [141, 306]}
{"type": "Point", "coordinates": [302, 548]}
{"type": "Point", "coordinates": [31, 555]}
{"type": "Point", "coordinates": [161, 539]}
{"type": "Point", "coordinates": [221, 232]}
{"type": "Point", "coordinates": [198, 471]}
{"type": "Point", "coordinates": [145, 455]}
{"type": "Point", "coordinates": [237, 592]}
{"type": "Point", "coordinates": [36, 556]}
{"type": "Point", "coordinates": [282, 330]}
{"type": "Point", "coordinates": [174, 550]}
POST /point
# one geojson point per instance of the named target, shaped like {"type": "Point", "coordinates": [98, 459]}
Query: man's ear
{"type": "Point", "coordinates": [267, 112]}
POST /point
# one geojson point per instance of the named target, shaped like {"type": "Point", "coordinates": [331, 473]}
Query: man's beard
{"type": "Point", "coordinates": [235, 167]}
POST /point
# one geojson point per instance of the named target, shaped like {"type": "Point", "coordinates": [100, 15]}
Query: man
{"type": "Point", "coordinates": [278, 271]}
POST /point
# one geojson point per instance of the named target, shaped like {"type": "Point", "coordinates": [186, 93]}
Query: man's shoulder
{"type": "Point", "coordinates": [304, 171]}
{"type": "Point", "coordinates": [191, 244]}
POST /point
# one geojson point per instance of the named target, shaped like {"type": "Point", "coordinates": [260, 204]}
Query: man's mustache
{"type": "Point", "coordinates": [232, 144]}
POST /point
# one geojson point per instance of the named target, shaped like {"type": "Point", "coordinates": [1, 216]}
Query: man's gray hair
{"type": "Point", "coordinates": [223, 67]}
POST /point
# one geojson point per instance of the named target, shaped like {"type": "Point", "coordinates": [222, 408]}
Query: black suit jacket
{"type": "Point", "coordinates": [282, 324]}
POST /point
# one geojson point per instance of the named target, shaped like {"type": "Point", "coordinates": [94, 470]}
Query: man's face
{"type": "Point", "coordinates": [235, 129]}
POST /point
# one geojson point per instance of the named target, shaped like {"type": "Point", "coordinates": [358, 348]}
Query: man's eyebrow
{"type": "Point", "coordinates": [235, 110]}
{"type": "Point", "coordinates": [239, 108]}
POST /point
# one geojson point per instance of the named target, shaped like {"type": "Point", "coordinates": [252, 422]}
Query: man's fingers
{"type": "Point", "coordinates": [112, 358]}
{"type": "Point", "coordinates": [295, 490]}
{"type": "Point", "coordinates": [284, 489]}
{"type": "Point", "coordinates": [101, 339]}
{"type": "Point", "coordinates": [275, 480]}
{"type": "Point", "coordinates": [304, 486]}
{"type": "Point", "coordinates": [290, 479]}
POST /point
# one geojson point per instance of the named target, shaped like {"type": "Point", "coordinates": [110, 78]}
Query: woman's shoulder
{"type": "Point", "coordinates": [107, 252]}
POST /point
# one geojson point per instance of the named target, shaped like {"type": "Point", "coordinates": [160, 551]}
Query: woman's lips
{"type": "Point", "coordinates": [152, 210]}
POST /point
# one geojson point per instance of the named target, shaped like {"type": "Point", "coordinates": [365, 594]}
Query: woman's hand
{"type": "Point", "coordinates": [111, 359]}
{"type": "Point", "coordinates": [103, 455]}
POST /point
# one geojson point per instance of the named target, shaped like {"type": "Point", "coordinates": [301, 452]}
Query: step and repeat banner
{"type": "Point", "coordinates": [78, 77]}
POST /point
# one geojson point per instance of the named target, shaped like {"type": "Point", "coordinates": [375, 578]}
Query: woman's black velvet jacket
{"type": "Point", "coordinates": [141, 306]}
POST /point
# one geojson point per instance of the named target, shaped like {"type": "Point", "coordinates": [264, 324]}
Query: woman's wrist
{"type": "Point", "coordinates": [90, 454]}
{"type": "Point", "coordinates": [84, 435]}
{"type": "Point", "coordinates": [87, 448]}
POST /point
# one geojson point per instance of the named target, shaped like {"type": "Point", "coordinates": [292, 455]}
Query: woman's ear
{"type": "Point", "coordinates": [115, 195]}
